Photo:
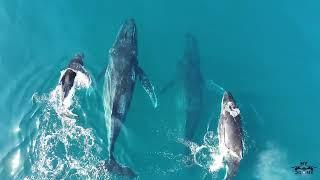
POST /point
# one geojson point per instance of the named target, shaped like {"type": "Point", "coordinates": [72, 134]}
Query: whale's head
{"type": "Point", "coordinates": [125, 46]}
{"type": "Point", "coordinates": [228, 98]}
{"type": "Point", "coordinates": [229, 105]}
{"type": "Point", "coordinates": [77, 59]}
{"type": "Point", "coordinates": [191, 51]}
{"type": "Point", "coordinates": [76, 62]}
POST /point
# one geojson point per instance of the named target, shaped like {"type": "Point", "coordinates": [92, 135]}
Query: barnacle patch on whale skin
{"type": "Point", "coordinates": [229, 107]}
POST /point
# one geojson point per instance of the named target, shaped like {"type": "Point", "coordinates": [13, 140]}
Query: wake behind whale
{"type": "Point", "coordinates": [53, 144]}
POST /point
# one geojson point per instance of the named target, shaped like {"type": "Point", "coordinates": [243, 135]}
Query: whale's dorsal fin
{"type": "Point", "coordinates": [147, 85]}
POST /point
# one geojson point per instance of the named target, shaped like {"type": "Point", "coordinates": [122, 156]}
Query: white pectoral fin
{"type": "Point", "coordinates": [147, 85]}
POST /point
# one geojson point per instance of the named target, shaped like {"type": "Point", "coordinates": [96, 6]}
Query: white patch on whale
{"type": "Point", "coordinates": [234, 112]}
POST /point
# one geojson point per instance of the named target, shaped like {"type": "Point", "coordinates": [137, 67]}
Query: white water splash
{"type": "Point", "coordinates": [62, 148]}
{"type": "Point", "coordinates": [206, 155]}
{"type": "Point", "coordinates": [15, 162]}
{"type": "Point", "coordinates": [62, 105]}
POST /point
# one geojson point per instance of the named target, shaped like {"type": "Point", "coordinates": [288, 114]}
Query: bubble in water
{"type": "Point", "coordinates": [207, 155]}
{"type": "Point", "coordinates": [204, 156]}
{"type": "Point", "coordinates": [210, 140]}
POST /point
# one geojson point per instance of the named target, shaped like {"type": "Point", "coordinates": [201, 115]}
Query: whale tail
{"type": "Point", "coordinates": [114, 167]}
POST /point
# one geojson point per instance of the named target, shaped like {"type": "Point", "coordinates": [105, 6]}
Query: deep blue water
{"type": "Point", "coordinates": [265, 52]}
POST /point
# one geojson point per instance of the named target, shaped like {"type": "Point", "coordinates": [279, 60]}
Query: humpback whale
{"type": "Point", "coordinates": [230, 134]}
{"type": "Point", "coordinates": [120, 78]}
{"type": "Point", "coordinates": [67, 79]}
{"type": "Point", "coordinates": [190, 77]}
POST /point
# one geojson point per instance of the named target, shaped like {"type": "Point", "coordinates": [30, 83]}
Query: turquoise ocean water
{"type": "Point", "coordinates": [265, 52]}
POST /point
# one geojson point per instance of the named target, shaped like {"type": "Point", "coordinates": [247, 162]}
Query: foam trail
{"type": "Point", "coordinates": [211, 85]}
{"type": "Point", "coordinates": [62, 149]}
{"type": "Point", "coordinates": [89, 91]}
{"type": "Point", "coordinates": [193, 146]}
